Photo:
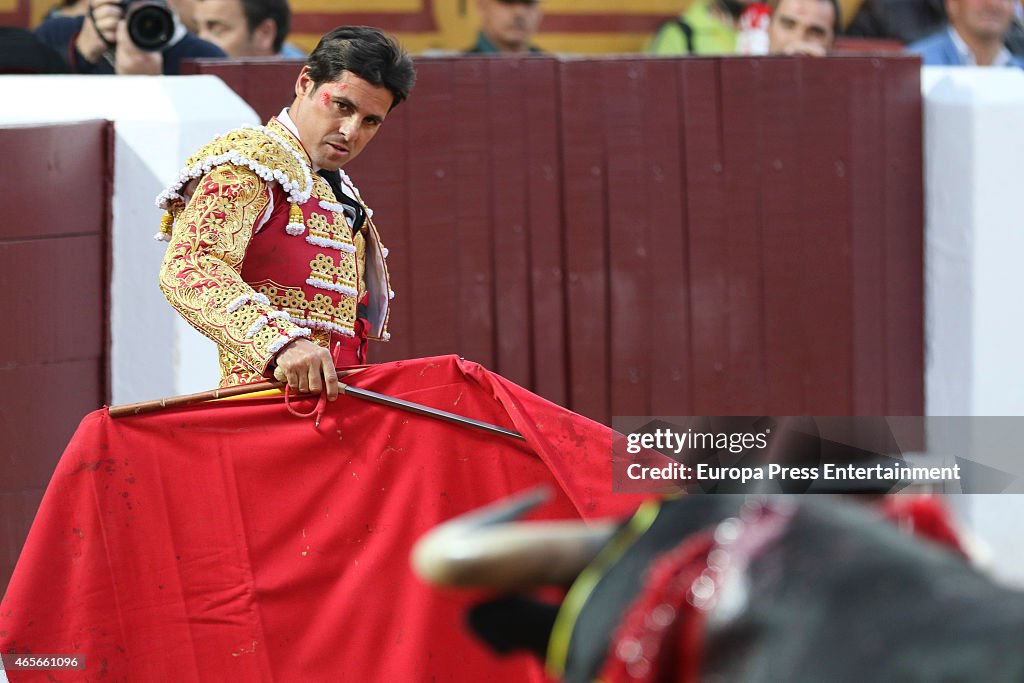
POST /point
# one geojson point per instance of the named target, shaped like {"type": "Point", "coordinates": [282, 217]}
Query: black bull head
{"type": "Point", "coordinates": [736, 588]}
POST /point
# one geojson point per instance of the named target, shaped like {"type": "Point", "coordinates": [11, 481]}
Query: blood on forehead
{"type": "Point", "coordinates": [367, 98]}
{"type": "Point", "coordinates": [329, 90]}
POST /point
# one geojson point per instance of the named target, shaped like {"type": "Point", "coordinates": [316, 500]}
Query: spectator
{"type": "Point", "coordinates": [186, 11]}
{"type": "Point", "coordinates": [911, 20]}
{"type": "Point", "coordinates": [803, 27]}
{"type": "Point", "coordinates": [707, 27]}
{"type": "Point", "coordinates": [974, 36]}
{"type": "Point", "coordinates": [247, 28]}
{"type": "Point", "coordinates": [99, 43]}
{"type": "Point", "coordinates": [21, 52]}
{"type": "Point", "coordinates": [507, 26]}
{"type": "Point", "coordinates": [902, 20]}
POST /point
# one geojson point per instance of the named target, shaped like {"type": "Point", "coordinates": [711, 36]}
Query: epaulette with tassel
{"type": "Point", "coordinates": [256, 148]}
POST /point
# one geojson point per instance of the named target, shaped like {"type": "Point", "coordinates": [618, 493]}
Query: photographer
{"type": "Point", "coordinates": [130, 37]}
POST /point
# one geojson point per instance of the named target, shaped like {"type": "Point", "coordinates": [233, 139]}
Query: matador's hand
{"type": "Point", "coordinates": [307, 367]}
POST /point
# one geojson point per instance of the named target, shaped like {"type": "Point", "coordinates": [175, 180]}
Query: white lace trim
{"type": "Point", "coordinates": [285, 338]}
{"type": "Point", "coordinates": [320, 325]}
{"type": "Point", "coordinates": [330, 244]}
{"type": "Point", "coordinates": [331, 286]}
{"type": "Point", "coordinates": [355, 190]}
{"type": "Point", "coordinates": [331, 206]}
{"type": "Point", "coordinates": [307, 176]}
{"type": "Point", "coordinates": [260, 323]}
{"type": "Point", "coordinates": [296, 194]}
{"type": "Point", "coordinates": [237, 303]}
{"type": "Point", "coordinates": [243, 299]}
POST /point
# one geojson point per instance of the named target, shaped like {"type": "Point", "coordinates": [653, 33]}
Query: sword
{"type": "Point", "coordinates": [420, 409]}
{"type": "Point", "coordinates": [346, 389]}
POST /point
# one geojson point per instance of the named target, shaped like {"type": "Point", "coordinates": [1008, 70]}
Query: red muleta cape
{"type": "Point", "coordinates": [231, 541]}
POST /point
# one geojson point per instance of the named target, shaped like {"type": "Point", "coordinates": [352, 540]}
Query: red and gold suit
{"type": "Point", "coordinates": [262, 253]}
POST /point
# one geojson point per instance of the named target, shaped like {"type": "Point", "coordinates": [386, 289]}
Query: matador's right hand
{"type": "Point", "coordinates": [307, 367]}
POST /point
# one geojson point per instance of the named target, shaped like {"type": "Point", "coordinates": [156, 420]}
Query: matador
{"type": "Point", "coordinates": [270, 241]}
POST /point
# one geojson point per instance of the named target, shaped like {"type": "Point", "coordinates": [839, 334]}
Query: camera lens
{"type": "Point", "coordinates": [150, 24]}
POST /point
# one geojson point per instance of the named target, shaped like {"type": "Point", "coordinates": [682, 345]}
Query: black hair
{"type": "Point", "coordinates": [366, 52]}
{"type": "Point", "coordinates": [258, 11]}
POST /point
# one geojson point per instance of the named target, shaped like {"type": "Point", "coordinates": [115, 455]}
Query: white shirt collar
{"type": "Point", "coordinates": [967, 57]}
{"type": "Point", "coordinates": [287, 122]}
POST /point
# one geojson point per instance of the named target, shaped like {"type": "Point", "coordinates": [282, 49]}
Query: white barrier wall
{"type": "Point", "coordinates": [974, 280]}
{"type": "Point", "coordinates": [158, 123]}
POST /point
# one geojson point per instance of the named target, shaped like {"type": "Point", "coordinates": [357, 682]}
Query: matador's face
{"type": "Point", "coordinates": [336, 120]}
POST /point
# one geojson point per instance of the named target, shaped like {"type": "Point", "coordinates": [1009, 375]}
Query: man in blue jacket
{"type": "Point", "coordinates": [974, 36]}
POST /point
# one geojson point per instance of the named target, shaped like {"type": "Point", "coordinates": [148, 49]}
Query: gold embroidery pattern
{"type": "Point", "coordinates": [279, 129]}
{"type": "Point", "coordinates": [320, 314]}
{"type": "Point", "coordinates": [200, 272]}
{"type": "Point", "coordinates": [347, 278]}
{"type": "Point", "coordinates": [271, 152]}
{"type": "Point", "coordinates": [318, 225]}
{"type": "Point", "coordinates": [323, 268]}
{"type": "Point", "coordinates": [257, 146]}
{"type": "Point", "coordinates": [322, 190]}
{"type": "Point", "coordinates": [360, 244]}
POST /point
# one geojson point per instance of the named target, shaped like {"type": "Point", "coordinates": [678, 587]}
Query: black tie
{"type": "Point", "coordinates": [352, 208]}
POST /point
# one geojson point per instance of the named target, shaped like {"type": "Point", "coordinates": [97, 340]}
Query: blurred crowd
{"type": "Point", "coordinates": [153, 36]}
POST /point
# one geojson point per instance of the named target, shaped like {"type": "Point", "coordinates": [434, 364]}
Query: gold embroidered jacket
{"type": "Point", "coordinates": [261, 253]}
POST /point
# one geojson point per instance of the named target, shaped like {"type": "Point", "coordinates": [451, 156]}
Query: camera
{"type": "Point", "coordinates": [150, 23]}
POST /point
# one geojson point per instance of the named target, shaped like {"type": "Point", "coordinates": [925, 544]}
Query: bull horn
{"type": "Point", "coordinates": [484, 549]}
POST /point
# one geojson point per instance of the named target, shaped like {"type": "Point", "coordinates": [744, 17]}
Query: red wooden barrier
{"type": "Point", "coordinates": [658, 236]}
{"type": "Point", "coordinates": [56, 184]}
